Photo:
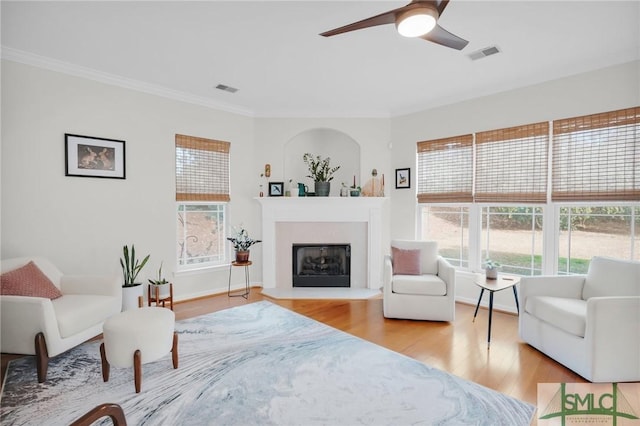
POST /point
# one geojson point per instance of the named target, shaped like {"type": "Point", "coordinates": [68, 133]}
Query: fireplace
{"type": "Point", "coordinates": [321, 265]}
{"type": "Point", "coordinates": [359, 221]}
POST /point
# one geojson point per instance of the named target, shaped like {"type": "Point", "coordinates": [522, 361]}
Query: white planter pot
{"type": "Point", "coordinates": [164, 291]}
{"type": "Point", "coordinates": [130, 297]}
{"type": "Point", "coordinates": [492, 274]}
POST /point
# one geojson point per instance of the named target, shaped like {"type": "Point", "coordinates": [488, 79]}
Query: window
{"type": "Point", "coordinates": [202, 190]}
{"type": "Point", "coordinates": [445, 170]}
{"type": "Point", "coordinates": [449, 226]}
{"type": "Point", "coordinates": [511, 164]}
{"type": "Point", "coordinates": [201, 234]}
{"type": "Point", "coordinates": [597, 157]}
{"type": "Point", "coordinates": [512, 236]}
{"type": "Point", "coordinates": [587, 231]}
{"type": "Point", "coordinates": [591, 205]}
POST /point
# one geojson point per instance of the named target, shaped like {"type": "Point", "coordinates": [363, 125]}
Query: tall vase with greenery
{"type": "Point", "coordinates": [131, 267]}
{"type": "Point", "coordinates": [241, 243]}
{"type": "Point", "coordinates": [321, 172]}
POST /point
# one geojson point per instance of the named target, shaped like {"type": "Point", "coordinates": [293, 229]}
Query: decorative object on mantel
{"type": "Point", "coordinates": [267, 170]}
{"type": "Point", "coordinates": [290, 190]}
{"type": "Point", "coordinates": [321, 172]}
{"type": "Point", "coordinates": [241, 243]}
{"type": "Point", "coordinates": [131, 267]}
{"type": "Point", "coordinates": [403, 178]}
{"type": "Point", "coordinates": [344, 191]}
{"type": "Point", "coordinates": [354, 191]}
{"type": "Point", "coordinates": [302, 190]}
{"type": "Point", "coordinates": [276, 189]}
{"type": "Point", "coordinates": [374, 186]}
{"type": "Point", "coordinates": [491, 269]}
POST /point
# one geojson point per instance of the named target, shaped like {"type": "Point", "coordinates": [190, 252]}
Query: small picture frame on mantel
{"type": "Point", "coordinates": [403, 178]}
{"type": "Point", "coordinates": [276, 189]}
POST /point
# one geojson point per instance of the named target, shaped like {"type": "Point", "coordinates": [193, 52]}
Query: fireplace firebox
{"type": "Point", "coordinates": [321, 265]}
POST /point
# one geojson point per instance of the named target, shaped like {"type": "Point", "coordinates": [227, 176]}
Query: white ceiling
{"type": "Point", "coordinates": [271, 50]}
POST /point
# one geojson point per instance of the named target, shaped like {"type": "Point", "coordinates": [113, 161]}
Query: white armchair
{"type": "Point", "coordinates": [425, 293]}
{"type": "Point", "coordinates": [44, 327]}
{"type": "Point", "coordinates": [590, 324]}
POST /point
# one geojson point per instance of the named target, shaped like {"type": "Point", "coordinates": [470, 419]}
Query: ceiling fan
{"type": "Point", "coordinates": [417, 19]}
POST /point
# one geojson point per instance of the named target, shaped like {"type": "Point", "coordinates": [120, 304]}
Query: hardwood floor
{"type": "Point", "coordinates": [510, 366]}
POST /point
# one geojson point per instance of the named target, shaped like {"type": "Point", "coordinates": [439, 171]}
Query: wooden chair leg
{"type": "Point", "coordinates": [105, 364]}
{"type": "Point", "coordinates": [42, 357]}
{"type": "Point", "coordinates": [174, 350]}
{"type": "Point", "coordinates": [137, 369]}
{"type": "Point", "coordinates": [113, 411]}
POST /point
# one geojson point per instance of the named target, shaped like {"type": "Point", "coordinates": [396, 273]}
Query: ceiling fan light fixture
{"type": "Point", "coordinates": [416, 22]}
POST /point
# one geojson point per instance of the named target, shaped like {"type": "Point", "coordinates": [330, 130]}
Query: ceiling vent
{"type": "Point", "coordinates": [226, 88]}
{"type": "Point", "coordinates": [483, 53]}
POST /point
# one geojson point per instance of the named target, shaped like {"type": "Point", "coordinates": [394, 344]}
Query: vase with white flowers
{"type": "Point", "coordinates": [241, 243]}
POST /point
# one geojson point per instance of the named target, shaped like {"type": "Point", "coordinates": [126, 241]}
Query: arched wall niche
{"type": "Point", "coordinates": [343, 150]}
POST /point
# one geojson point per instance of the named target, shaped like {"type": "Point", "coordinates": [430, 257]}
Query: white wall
{"type": "Point", "coordinates": [598, 91]}
{"type": "Point", "coordinates": [81, 224]}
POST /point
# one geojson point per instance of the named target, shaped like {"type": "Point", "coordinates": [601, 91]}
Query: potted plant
{"type": "Point", "coordinates": [491, 269]}
{"type": "Point", "coordinates": [131, 267]}
{"type": "Point", "coordinates": [321, 172]}
{"type": "Point", "coordinates": [159, 287]}
{"type": "Point", "coordinates": [241, 243]}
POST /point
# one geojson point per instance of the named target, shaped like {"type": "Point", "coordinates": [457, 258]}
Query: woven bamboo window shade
{"type": "Point", "coordinates": [202, 169]}
{"type": "Point", "coordinates": [511, 164]}
{"type": "Point", "coordinates": [597, 157]}
{"type": "Point", "coordinates": [445, 170]}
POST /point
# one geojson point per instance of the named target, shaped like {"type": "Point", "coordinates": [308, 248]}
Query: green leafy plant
{"type": "Point", "coordinates": [161, 280]}
{"type": "Point", "coordinates": [320, 169]}
{"type": "Point", "coordinates": [131, 266]}
{"type": "Point", "coordinates": [491, 264]}
{"type": "Point", "coordinates": [241, 240]}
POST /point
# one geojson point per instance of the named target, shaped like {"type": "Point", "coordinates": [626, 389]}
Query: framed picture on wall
{"type": "Point", "coordinates": [276, 189]}
{"type": "Point", "coordinates": [88, 156]}
{"type": "Point", "coordinates": [403, 178]}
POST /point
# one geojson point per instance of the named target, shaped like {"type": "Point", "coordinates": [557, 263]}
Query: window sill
{"type": "Point", "coordinates": [201, 270]}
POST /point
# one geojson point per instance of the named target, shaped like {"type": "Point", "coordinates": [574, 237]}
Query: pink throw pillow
{"type": "Point", "coordinates": [406, 262]}
{"type": "Point", "coordinates": [28, 280]}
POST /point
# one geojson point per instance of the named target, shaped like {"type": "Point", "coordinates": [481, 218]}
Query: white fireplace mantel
{"type": "Point", "coordinates": [370, 210]}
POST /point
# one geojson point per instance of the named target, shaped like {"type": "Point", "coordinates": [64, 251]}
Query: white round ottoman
{"type": "Point", "coordinates": [136, 337]}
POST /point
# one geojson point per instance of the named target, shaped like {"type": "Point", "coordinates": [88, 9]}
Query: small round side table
{"type": "Point", "coordinates": [246, 279]}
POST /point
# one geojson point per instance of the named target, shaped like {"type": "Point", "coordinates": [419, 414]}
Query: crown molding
{"type": "Point", "coordinates": [51, 64]}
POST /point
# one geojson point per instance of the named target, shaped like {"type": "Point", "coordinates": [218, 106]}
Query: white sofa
{"type": "Point", "coordinates": [590, 324]}
{"type": "Point", "coordinates": [44, 327]}
{"type": "Point", "coordinates": [428, 296]}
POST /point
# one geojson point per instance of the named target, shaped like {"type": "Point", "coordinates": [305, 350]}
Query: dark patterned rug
{"type": "Point", "coordinates": [258, 364]}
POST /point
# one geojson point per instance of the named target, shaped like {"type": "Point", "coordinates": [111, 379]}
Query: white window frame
{"type": "Point", "coordinates": [224, 262]}
{"type": "Point", "coordinates": [550, 229]}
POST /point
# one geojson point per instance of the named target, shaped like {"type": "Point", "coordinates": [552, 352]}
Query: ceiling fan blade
{"type": "Point", "coordinates": [440, 5]}
{"type": "Point", "coordinates": [443, 37]}
{"type": "Point", "coordinates": [382, 19]}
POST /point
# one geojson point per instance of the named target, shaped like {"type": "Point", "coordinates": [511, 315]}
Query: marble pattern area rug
{"type": "Point", "coordinates": [258, 364]}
